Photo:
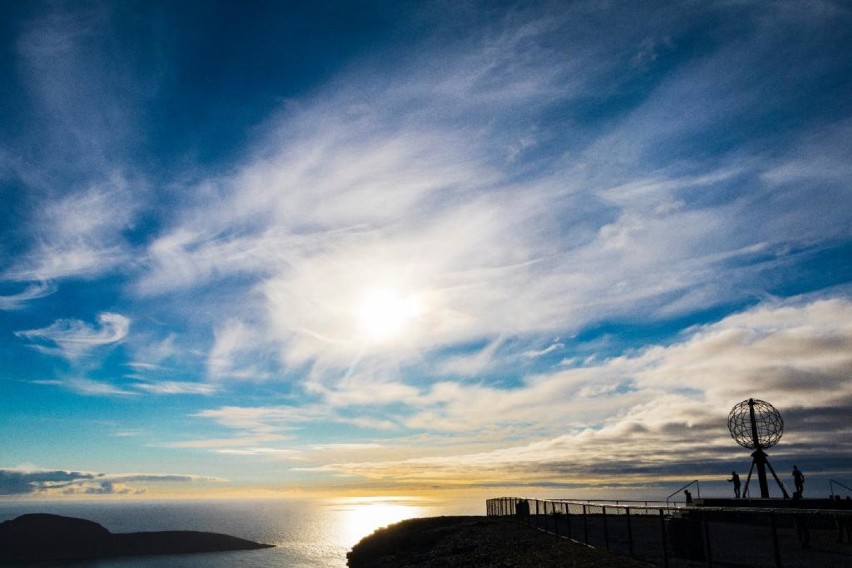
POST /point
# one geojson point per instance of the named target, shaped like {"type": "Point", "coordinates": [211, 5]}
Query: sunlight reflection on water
{"type": "Point", "coordinates": [360, 519]}
{"type": "Point", "coordinates": [306, 533]}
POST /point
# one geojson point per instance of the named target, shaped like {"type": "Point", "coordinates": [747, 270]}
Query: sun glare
{"type": "Point", "coordinates": [359, 520]}
{"type": "Point", "coordinates": [384, 314]}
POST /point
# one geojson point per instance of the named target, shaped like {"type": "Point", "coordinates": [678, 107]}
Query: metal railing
{"type": "Point", "coordinates": [686, 536]}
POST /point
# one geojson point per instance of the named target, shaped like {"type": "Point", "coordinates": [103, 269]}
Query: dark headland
{"type": "Point", "coordinates": [448, 542]}
{"type": "Point", "coordinates": [54, 538]}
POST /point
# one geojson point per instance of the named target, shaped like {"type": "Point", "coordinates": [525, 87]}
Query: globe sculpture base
{"type": "Point", "coordinates": [761, 460]}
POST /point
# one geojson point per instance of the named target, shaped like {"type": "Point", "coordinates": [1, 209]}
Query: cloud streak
{"type": "Point", "coordinates": [73, 339]}
{"type": "Point", "coordinates": [31, 292]}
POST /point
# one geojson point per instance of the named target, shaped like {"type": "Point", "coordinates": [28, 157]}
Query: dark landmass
{"type": "Point", "coordinates": [54, 538]}
{"type": "Point", "coordinates": [448, 542]}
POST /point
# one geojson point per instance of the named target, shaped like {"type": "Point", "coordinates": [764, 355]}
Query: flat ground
{"type": "Point", "coordinates": [447, 542]}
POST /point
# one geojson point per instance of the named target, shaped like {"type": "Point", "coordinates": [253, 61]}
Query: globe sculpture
{"type": "Point", "coordinates": [756, 425]}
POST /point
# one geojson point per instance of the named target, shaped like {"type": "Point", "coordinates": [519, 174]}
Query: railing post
{"type": "Point", "coordinates": [536, 513]}
{"type": "Point", "coordinates": [585, 526]}
{"type": "Point", "coordinates": [568, 517]}
{"type": "Point", "coordinates": [629, 532]}
{"type": "Point", "coordinates": [556, 519]}
{"type": "Point", "coordinates": [606, 529]}
{"type": "Point", "coordinates": [708, 554]}
{"type": "Point", "coordinates": [663, 535]}
{"type": "Point", "coordinates": [775, 546]}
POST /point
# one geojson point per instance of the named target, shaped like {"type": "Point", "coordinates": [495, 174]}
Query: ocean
{"type": "Point", "coordinates": [306, 533]}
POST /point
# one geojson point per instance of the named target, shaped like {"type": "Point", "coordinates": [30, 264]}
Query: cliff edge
{"type": "Point", "coordinates": [456, 542]}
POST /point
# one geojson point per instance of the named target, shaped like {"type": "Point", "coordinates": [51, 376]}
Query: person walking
{"type": "Point", "coordinates": [735, 479]}
{"type": "Point", "coordinates": [799, 481]}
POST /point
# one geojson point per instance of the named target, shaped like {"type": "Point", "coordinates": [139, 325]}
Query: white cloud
{"type": "Point", "coordinates": [237, 353]}
{"type": "Point", "coordinates": [535, 353]}
{"type": "Point", "coordinates": [73, 339]}
{"type": "Point", "coordinates": [175, 387]}
{"type": "Point", "coordinates": [374, 186]}
{"type": "Point", "coordinates": [277, 453]}
{"type": "Point", "coordinates": [78, 234]}
{"type": "Point", "coordinates": [87, 387]}
{"type": "Point", "coordinates": [649, 414]}
{"type": "Point", "coordinates": [28, 294]}
{"type": "Point", "coordinates": [150, 353]}
{"type": "Point", "coordinates": [265, 419]}
{"type": "Point", "coordinates": [344, 447]}
{"type": "Point", "coordinates": [238, 441]}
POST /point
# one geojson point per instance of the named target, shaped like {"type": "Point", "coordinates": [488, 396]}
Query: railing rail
{"type": "Point", "coordinates": [676, 536]}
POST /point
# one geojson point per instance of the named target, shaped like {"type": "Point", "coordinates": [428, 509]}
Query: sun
{"type": "Point", "coordinates": [384, 314]}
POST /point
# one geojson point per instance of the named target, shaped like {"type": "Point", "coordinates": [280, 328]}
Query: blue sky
{"type": "Point", "coordinates": [394, 246]}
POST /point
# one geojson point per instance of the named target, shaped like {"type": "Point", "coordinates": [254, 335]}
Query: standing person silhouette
{"type": "Point", "coordinates": [735, 479]}
{"type": "Point", "coordinates": [799, 481]}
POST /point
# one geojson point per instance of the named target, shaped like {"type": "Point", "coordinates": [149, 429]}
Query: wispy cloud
{"type": "Point", "coordinates": [78, 234]}
{"type": "Point", "coordinates": [73, 339]}
{"type": "Point", "coordinates": [28, 294]}
{"type": "Point", "coordinates": [237, 353]}
{"type": "Point", "coordinates": [87, 387]}
{"type": "Point", "coordinates": [276, 453]}
{"type": "Point", "coordinates": [489, 255]}
{"type": "Point", "coordinates": [175, 387]}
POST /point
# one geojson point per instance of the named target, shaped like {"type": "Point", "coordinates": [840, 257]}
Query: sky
{"type": "Point", "coordinates": [415, 246]}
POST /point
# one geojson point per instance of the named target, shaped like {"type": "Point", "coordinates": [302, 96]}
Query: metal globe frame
{"type": "Point", "coordinates": [755, 424]}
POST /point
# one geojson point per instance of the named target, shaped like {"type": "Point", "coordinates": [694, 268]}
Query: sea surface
{"type": "Point", "coordinates": [306, 533]}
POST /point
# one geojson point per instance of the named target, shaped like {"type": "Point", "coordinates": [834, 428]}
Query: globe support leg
{"type": "Point", "coordinates": [760, 462]}
{"type": "Point", "coordinates": [748, 478]}
{"type": "Point", "coordinates": [778, 481]}
{"type": "Point", "coordinates": [760, 459]}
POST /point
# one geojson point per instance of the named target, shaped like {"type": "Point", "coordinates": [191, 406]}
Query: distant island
{"type": "Point", "coordinates": [42, 537]}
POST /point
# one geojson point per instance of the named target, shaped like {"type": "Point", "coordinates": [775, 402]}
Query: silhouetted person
{"type": "Point", "coordinates": [735, 479]}
{"type": "Point", "coordinates": [688, 496]}
{"type": "Point", "coordinates": [799, 481]}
